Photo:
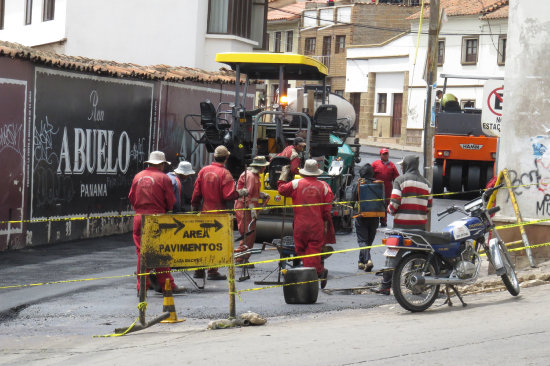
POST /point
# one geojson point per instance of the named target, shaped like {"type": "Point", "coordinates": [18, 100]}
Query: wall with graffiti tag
{"type": "Point", "coordinates": [524, 147]}
{"type": "Point", "coordinates": [71, 143]}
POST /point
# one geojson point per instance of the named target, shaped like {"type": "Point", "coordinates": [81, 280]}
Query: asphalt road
{"type": "Point", "coordinates": [54, 323]}
{"type": "Point", "coordinates": [104, 297]}
{"type": "Point", "coordinates": [97, 306]}
{"type": "Point", "coordinates": [494, 329]}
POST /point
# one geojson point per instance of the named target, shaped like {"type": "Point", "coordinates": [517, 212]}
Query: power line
{"type": "Point", "coordinates": [390, 29]}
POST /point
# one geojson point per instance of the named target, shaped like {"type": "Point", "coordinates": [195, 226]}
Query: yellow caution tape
{"type": "Point", "coordinates": [141, 306]}
{"type": "Point", "coordinates": [348, 204]}
{"type": "Point", "coordinates": [228, 265]}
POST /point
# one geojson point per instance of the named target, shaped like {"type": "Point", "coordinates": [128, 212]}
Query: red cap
{"type": "Point", "coordinates": [384, 151]}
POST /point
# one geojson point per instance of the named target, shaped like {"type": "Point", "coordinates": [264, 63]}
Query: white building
{"type": "Point", "coordinates": [472, 41]}
{"type": "Point", "coordinates": [173, 32]}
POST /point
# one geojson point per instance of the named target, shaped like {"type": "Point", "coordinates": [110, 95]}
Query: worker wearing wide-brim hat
{"type": "Point", "coordinates": [213, 188]}
{"type": "Point", "coordinates": [246, 219]}
{"type": "Point", "coordinates": [151, 193]}
{"type": "Point", "coordinates": [182, 181]}
{"type": "Point", "coordinates": [312, 224]}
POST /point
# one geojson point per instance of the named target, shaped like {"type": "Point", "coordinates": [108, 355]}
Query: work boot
{"type": "Point", "coordinates": [361, 266]}
{"type": "Point", "coordinates": [327, 249]}
{"type": "Point", "coordinates": [381, 290]}
{"type": "Point", "coordinates": [240, 249]}
{"type": "Point", "coordinates": [154, 283]}
{"type": "Point", "coordinates": [369, 266]}
{"type": "Point", "coordinates": [178, 290]}
{"type": "Point", "coordinates": [324, 277]}
{"type": "Point", "coordinates": [216, 276]}
{"type": "Point", "coordinates": [199, 273]}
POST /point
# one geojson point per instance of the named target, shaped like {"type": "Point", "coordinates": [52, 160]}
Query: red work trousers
{"type": "Point", "coordinates": [162, 272]}
{"type": "Point", "coordinates": [243, 220]}
{"type": "Point", "coordinates": [305, 243]}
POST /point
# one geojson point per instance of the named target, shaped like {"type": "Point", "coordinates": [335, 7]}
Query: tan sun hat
{"type": "Point", "coordinates": [185, 168]}
{"type": "Point", "coordinates": [156, 157]}
{"type": "Point", "coordinates": [221, 151]}
{"type": "Point", "coordinates": [311, 169]}
{"type": "Point", "coordinates": [259, 161]}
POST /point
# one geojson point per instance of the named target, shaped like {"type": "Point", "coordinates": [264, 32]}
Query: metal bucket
{"type": "Point", "coordinates": [303, 293]}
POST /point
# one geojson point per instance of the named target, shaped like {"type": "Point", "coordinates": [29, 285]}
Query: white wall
{"type": "Point", "coordinates": [38, 32]}
{"type": "Point", "coordinates": [171, 32]}
{"type": "Point", "coordinates": [392, 57]}
{"type": "Point", "coordinates": [140, 33]}
{"type": "Point", "coordinates": [462, 88]}
{"type": "Point", "coordinates": [525, 139]}
{"type": "Point", "coordinates": [223, 43]}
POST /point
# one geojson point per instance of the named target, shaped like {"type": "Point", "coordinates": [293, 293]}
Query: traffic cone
{"type": "Point", "coordinates": [168, 304]}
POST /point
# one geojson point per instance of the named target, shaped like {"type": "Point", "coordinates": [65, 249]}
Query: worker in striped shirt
{"type": "Point", "coordinates": [410, 202]}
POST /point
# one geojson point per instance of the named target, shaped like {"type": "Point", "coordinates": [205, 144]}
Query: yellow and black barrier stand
{"type": "Point", "coordinates": [519, 219]}
{"type": "Point", "coordinates": [189, 241]}
{"type": "Point", "coordinates": [142, 306]}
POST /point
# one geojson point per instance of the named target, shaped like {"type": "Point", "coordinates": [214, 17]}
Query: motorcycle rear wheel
{"type": "Point", "coordinates": [509, 278]}
{"type": "Point", "coordinates": [413, 298]}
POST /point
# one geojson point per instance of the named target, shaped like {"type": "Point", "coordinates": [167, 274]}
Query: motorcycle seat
{"type": "Point", "coordinates": [434, 238]}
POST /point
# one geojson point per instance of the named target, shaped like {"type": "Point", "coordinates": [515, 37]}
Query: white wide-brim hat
{"type": "Point", "coordinates": [156, 157]}
{"type": "Point", "coordinates": [310, 169]}
{"type": "Point", "coordinates": [259, 161]}
{"type": "Point", "coordinates": [185, 168]}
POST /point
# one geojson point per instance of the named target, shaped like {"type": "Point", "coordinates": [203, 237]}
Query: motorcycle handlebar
{"type": "Point", "coordinates": [490, 191]}
{"type": "Point", "coordinates": [493, 210]}
{"type": "Point", "coordinates": [448, 211]}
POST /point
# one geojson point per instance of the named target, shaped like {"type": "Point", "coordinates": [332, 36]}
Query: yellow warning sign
{"type": "Point", "coordinates": [186, 240]}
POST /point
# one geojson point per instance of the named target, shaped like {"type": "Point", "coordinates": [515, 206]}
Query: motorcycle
{"type": "Point", "coordinates": [426, 260]}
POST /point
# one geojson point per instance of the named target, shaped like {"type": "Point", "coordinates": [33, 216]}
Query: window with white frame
{"type": "Point", "coordinates": [289, 41]}
{"type": "Point", "coordinates": [277, 42]}
{"type": "Point", "coordinates": [340, 45]}
{"type": "Point", "coordinates": [242, 18]}
{"type": "Point", "coordinates": [2, 14]}
{"type": "Point", "coordinates": [501, 58]}
{"type": "Point", "coordinates": [309, 48]}
{"type": "Point", "coordinates": [310, 18]}
{"type": "Point", "coordinates": [48, 10]}
{"type": "Point", "coordinates": [470, 49]}
{"type": "Point", "coordinates": [381, 102]}
{"type": "Point", "coordinates": [440, 52]}
{"type": "Point", "coordinates": [326, 17]}
{"type": "Point", "coordinates": [343, 14]}
{"type": "Point", "coordinates": [28, 12]}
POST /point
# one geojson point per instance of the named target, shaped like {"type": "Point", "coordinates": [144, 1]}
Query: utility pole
{"type": "Point", "coordinates": [431, 78]}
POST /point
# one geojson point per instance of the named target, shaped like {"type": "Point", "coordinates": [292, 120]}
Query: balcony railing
{"type": "Point", "coordinates": [323, 59]}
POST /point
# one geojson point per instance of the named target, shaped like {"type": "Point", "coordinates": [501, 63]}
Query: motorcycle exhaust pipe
{"type": "Point", "coordinates": [418, 280]}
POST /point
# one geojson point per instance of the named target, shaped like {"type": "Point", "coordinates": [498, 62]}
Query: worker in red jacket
{"type": "Point", "coordinates": [246, 219]}
{"type": "Point", "coordinates": [152, 193]}
{"type": "Point", "coordinates": [214, 187]}
{"type": "Point", "coordinates": [385, 171]}
{"type": "Point", "coordinates": [293, 153]}
{"type": "Point", "coordinates": [312, 224]}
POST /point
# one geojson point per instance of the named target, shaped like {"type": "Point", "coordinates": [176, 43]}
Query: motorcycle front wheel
{"type": "Point", "coordinates": [509, 278]}
{"type": "Point", "coordinates": [418, 297]}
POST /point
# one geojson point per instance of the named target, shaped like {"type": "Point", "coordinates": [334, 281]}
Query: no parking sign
{"type": "Point", "coordinates": [493, 103]}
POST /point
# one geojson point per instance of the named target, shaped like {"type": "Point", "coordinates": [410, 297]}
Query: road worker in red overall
{"type": "Point", "coordinates": [312, 224]}
{"type": "Point", "coordinates": [214, 187]}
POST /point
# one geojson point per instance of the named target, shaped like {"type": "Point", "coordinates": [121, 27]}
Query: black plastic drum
{"type": "Point", "coordinates": [304, 293]}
